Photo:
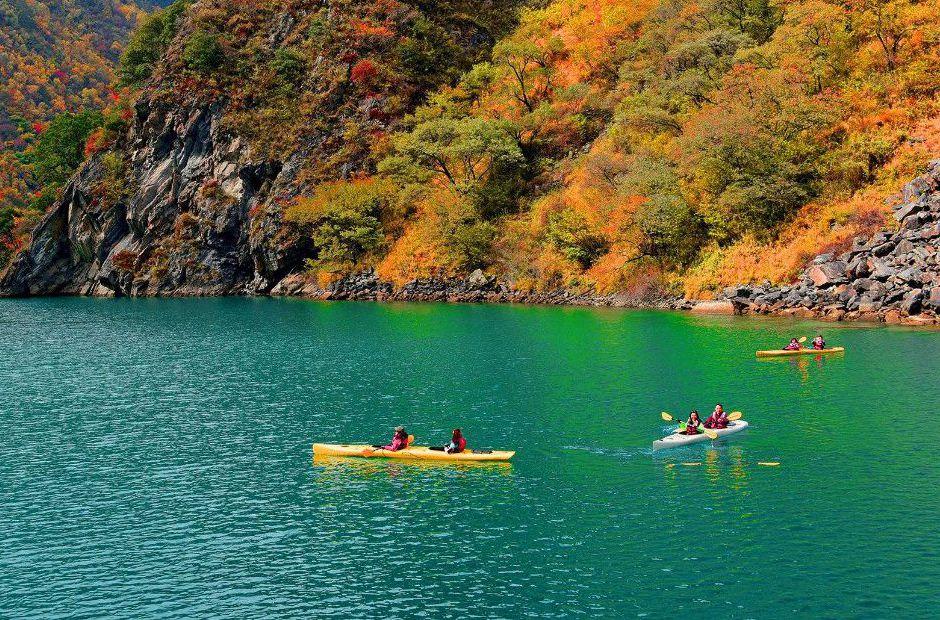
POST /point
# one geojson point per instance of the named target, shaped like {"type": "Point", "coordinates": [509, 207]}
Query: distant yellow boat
{"type": "Point", "coordinates": [782, 353]}
{"type": "Point", "coordinates": [418, 453]}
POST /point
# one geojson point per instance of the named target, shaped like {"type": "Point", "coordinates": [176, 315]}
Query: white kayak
{"type": "Point", "coordinates": [680, 439]}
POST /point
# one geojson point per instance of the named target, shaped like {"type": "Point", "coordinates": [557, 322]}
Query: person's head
{"type": "Point", "coordinates": [694, 415]}
{"type": "Point", "coordinates": [719, 408]}
{"type": "Point", "coordinates": [818, 336]}
{"type": "Point", "coordinates": [400, 431]}
{"type": "Point", "coordinates": [794, 341]}
{"type": "Point", "coordinates": [456, 435]}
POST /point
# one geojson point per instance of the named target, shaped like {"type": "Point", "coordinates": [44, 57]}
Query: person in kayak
{"type": "Point", "coordinates": [692, 426]}
{"type": "Point", "coordinates": [793, 346]}
{"type": "Point", "coordinates": [457, 443]}
{"type": "Point", "coordinates": [399, 440]}
{"type": "Point", "coordinates": [818, 343]}
{"type": "Point", "coordinates": [718, 418]}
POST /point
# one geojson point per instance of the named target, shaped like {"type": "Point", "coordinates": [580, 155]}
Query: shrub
{"type": "Point", "coordinates": [343, 220]}
{"type": "Point", "coordinates": [203, 52]}
{"type": "Point", "coordinates": [470, 244]}
{"type": "Point", "coordinates": [290, 65]}
{"type": "Point", "coordinates": [61, 147]}
{"type": "Point", "coordinates": [569, 232]}
{"type": "Point", "coordinates": [124, 261]}
{"type": "Point", "coordinates": [363, 72]}
{"type": "Point", "coordinates": [149, 42]}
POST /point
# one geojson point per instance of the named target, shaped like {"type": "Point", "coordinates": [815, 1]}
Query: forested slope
{"type": "Point", "coordinates": [604, 145]}
{"type": "Point", "coordinates": [56, 57]}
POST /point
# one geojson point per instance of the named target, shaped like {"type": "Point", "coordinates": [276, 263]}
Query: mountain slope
{"type": "Point", "coordinates": [252, 104]}
{"type": "Point", "coordinates": [56, 57]}
{"type": "Point", "coordinates": [598, 145]}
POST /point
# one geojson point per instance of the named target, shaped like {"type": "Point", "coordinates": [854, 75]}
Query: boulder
{"type": "Point", "coordinates": [827, 274]}
{"type": "Point", "coordinates": [883, 249]}
{"type": "Point", "coordinates": [880, 269]}
{"type": "Point", "coordinates": [905, 246]}
{"type": "Point", "coordinates": [911, 303]}
{"type": "Point", "coordinates": [911, 276]}
{"type": "Point", "coordinates": [477, 278]}
{"type": "Point", "coordinates": [713, 307]}
{"type": "Point", "coordinates": [933, 300]}
{"type": "Point", "coordinates": [905, 210]}
{"type": "Point", "coordinates": [867, 305]}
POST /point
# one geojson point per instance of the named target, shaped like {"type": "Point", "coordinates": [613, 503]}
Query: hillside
{"type": "Point", "coordinates": [600, 146]}
{"type": "Point", "coordinates": [55, 57]}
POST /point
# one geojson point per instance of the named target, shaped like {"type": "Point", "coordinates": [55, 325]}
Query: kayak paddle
{"type": "Point", "coordinates": [735, 415]}
{"type": "Point", "coordinates": [668, 418]}
{"type": "Point", "coordinates": [803, 339]}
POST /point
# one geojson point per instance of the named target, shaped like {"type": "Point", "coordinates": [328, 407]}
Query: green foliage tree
{"type": "Point", "coordinates": [670, 230]}
{"type": "Point", "coordinates": [571, 235]}
{"type": "Point", "coordinates": [343, 218]}
{"type": "Point", "coordinates": [203, 52]}
{"type": "Point", "coordinates": [290, 65]}
{"type": "Point", "coordinates": [61, 147]}
{"type": "Point", "coordinates": [149, 42]}
{"type": "Point", "coordinates": [476, 157]}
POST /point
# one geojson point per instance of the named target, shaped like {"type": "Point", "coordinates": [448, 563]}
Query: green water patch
{"type": "Point", "coordinates": [157, 462]}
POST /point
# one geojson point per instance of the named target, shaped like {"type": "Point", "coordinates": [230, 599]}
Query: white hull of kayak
{"type": "Point", "coordinates": [677, 439]}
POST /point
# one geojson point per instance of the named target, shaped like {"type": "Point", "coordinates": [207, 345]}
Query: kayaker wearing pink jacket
{"type": "Point", "coordinates": [399, 441]}
{"type": "Point", "coordinates": [793, 346]}
{"type": "Point", "coordinates": [718, 418]}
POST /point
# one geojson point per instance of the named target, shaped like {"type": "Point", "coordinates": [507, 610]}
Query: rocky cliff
{"type": "Point", "coordinates": [892, 276]}
{"type": "Point", "coordinates": [181, 226]}
{"type": "Point", "coordinates": [189, 200]}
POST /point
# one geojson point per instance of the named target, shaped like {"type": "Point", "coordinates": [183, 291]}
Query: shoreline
{"type": "Point", "coordinates": [482, 289]}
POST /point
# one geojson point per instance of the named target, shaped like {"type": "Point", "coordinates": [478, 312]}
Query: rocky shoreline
{"type": "Point", "coordinates": [891, 277]}
{"type": "Point", "coordinates": [477, 288]}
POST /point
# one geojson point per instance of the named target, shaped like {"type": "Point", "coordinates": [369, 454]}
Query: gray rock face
{"type": "Point", "coordinates": [894, 275]}
{"type": "Point", "coordinates": [192, 219]}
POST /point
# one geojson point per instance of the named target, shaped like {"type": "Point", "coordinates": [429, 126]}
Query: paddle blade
{"type": "Point", "coordinates": [368, 452]}
{"type": "Point", "coordinates": [735, 415]}
{"type": "Point", "coordinates": [803, 339]}
{"type": "Point", "coordinates": [411, 439]}
{"type": "Point", "coordinates": [666, 417]}
{"type": "Point", "coordinates": [710, 433]}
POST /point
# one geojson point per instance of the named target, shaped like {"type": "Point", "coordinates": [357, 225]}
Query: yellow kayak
{"type": "Point", "coordinates": [420, 453]}
{"type": "Point", "coordinates": [782, 353]}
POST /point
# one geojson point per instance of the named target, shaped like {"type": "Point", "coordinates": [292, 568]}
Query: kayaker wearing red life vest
{"type": "Point", "coordinates": [818, 343]}
{"type": "Point", "coordinates": [399, 441]}
{"type": "Point", "coordinates": [793, 346]}
{"type": "Point", "coordinates": [692, 426]}
{"type": "Point", "coordinates": [457, 443]}
{"type": "Point", "coordinates": [718, 418]}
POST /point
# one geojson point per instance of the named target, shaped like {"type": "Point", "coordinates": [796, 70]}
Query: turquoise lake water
{"type": "Point", "coordinates": [156, 462]}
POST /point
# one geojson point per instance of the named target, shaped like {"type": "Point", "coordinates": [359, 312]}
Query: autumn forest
{"type": "Point", "coordinates": [610, 145]}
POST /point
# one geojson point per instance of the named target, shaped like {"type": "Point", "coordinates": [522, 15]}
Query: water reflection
{"type": "Point", "coordinates": [802, 363]}
{"type": "Point", "coordinates": [395, 467]}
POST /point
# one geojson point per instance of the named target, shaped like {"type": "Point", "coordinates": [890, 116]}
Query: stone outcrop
{"type": "Point", "coordinates": [892, 276]}
{"type": "Point", "coordinates": [189, 218]}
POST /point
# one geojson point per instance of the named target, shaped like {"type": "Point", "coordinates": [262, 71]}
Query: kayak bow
{"type": "Point", "coordinates": [419, 453]}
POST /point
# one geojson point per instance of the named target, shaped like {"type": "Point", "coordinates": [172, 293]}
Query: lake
{"type": "Point", "coordinates": [156, 462]}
